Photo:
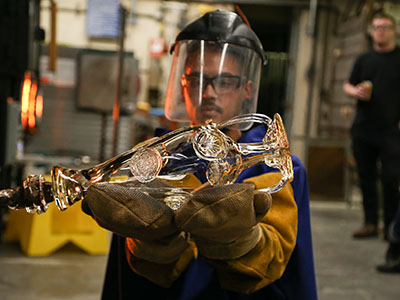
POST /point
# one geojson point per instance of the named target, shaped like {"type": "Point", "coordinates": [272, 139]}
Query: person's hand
{"type": "Point", "coordinates": [223, 220]}
{"type": "Point", "coordinates": [362, 91]}
{"type": "Point", "coordinates": [147, 223]}
{"type": "Point", "coordinates": [34, 194]}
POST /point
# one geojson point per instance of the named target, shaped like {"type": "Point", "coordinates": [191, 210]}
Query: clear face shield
{"type": "Point", "coordinates": [212, 81]}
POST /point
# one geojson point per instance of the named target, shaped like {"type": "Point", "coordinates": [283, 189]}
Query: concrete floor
{"type": "Point", "coordinates": [345, 267]}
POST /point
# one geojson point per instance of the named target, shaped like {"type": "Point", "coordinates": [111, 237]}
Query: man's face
{"type": "Point", "coordinates": [383, 31]}
{"type": "Point", "coordinates": [223, 89]}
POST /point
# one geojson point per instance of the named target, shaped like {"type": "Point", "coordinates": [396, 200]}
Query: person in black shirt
{"type": "Point", "coordinates": [374, 82]}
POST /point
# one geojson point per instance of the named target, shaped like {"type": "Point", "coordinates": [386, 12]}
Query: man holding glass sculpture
{"type": "Point", "coordinates": [226, 242]}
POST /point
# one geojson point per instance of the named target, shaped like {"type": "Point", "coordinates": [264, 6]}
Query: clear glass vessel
{"type": "Point", "coordinates": [203, 150]}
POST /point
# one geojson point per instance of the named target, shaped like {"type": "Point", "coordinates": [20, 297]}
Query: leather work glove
{"type": "Point", "coordinates": [147, 223]}
{"type": "Point", "coordinates": [223, 220]}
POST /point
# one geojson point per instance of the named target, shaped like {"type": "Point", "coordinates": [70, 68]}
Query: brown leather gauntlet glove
{"type": "Point", "coordinates": [224, 220]}
{"type": "Point", "coordinates": [147, 223]}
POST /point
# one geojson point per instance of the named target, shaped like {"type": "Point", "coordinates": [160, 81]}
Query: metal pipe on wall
{"type": "Point", "coordinates": [117, 100]}
{"type": "Point", "coordinates": [53, 37]}
{"type": "Point", "coordinates": [312, 32]}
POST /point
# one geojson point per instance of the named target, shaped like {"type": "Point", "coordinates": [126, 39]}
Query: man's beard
{"type": "Point", "coordinates": [209, 110]}
{"type": "Point", "coordinates": [210, 106]}
{"type": "Point", "coordinates": [383, 44]}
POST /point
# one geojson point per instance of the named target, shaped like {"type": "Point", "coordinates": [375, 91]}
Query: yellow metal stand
{"type": "Point", "coordinates": [40, 235]}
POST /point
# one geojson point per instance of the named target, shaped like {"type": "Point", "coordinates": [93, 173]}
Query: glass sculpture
{"type": "Point", "coordinates": [202, 150]}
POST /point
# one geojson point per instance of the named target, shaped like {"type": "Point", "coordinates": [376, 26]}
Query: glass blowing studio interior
{"type": "Point", "coordinates": [84, 80]}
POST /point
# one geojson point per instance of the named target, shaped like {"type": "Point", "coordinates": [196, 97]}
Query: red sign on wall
{"type": "Point", "coordinates": [157, 47]}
